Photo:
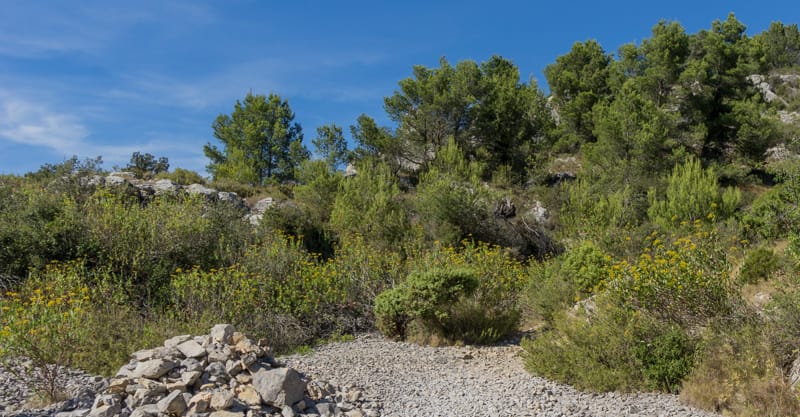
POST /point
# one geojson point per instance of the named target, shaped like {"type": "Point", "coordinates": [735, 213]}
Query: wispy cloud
{"type": "Point", "coordinates": [33, 124]}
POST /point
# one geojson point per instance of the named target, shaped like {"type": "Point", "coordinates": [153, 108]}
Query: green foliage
{"type": "Point", "coordinates": [612, 349]}
{"type": "Point", "coordinates": [549, 290]}
{"type": "Point", "coordinates": [578, 80]}
{"type": "Point", "coordinates": [451, 200]}
{"type": "Point", "coordinates": [145, 166]}
{"type": "Point", "coordinates": [425, 296]}
{"type": "Point", "coordinates": [759, 265]}
{"type": "Point", "coordinates": [692, 194]}
{"type": "Point", "coordinates": [775, 213]}
{"type": "Point", "coordinates": [667, 359]}
{"type": "Point", "coordinates": [330, 145]}
{"type": "Point", "coordinates": [485, 315]}
{"type": "Point", "coordinates": [143, 245]}
{"type": "Point", "coordinates": [586, 265]}
{"type": "Point", "coordinates": [182, 176]}
{"type": "Point", "coordinates": [737, 374]}
{"type": "Point", "coordinates": [43, 321]}
{"type": "Point", "coordinates": [490, 114]}
{"type": "Point", "coordinates": [369, 205]}
{"type": "Point", "coordinates": [260, 141]}
{"type": "Point", "coordinates": [684, 280]}
{"type": "Point", "coordinates": [37, 226]}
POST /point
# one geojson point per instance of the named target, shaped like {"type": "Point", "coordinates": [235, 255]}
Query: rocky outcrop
{"type": "Point", "coordinates": [221, 374]}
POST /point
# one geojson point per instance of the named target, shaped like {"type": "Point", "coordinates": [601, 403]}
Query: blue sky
{"type": "Point", "coordinates": [109, 78]}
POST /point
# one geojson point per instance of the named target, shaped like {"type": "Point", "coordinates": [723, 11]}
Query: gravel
{"type": "Point", "coordinates": [17, 393]}
{"type": "Point", "coordinates": [403, 379]}
{"type": "Point", "coordinates": [412, 380]}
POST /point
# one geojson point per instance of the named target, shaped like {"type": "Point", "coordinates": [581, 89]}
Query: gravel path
{"type": "Point", "coordinates": [403, 379]}
{"type": "Point", "coordinates": [412, 380]}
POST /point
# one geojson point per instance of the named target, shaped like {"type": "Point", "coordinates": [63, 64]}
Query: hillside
{"type": "Point", "coordinates": [640, 222]}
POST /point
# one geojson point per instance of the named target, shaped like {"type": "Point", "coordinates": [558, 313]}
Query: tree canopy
{"type": "Point", "coordinates": [260, 141]}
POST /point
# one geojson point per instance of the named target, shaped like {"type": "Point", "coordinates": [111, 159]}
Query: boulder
{"type": "Point", "coordinates": [173, 404]}
{"type": "Point", "coordinates": [153, 369]}
{"type": "Point", "coordinates": [222, 333]}
{"type": "Point", "coordinates": [279, 387]}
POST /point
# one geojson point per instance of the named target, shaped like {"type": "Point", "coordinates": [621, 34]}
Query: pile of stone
{"type": "Point", "coordinates": [222, 374]}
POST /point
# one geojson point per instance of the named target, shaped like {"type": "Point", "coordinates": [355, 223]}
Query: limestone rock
{"type": "Point", "coordinates": [153, 369]}
{"type": "Point", "coordinates": [249, 396]}
{"type": "Point", "coordinates": [279, 387]}
{"type": "Point", "coordinates": [221, 400]}
{"type": "Point", "coordinates": [222, 333]}
{"type": "Point", "coordinates": [172, 404]}
{"type": "Point", "coordinates": [191, 349]}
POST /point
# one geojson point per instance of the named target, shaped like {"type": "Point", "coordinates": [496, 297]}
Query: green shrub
{"type": "Point", "coordinates": [427, 297]}
{"type": "Point", "coordinates": [737, 374]}
{"type": "Point", "coordinates": [759, 265]}
{"type": "Point", "coordinates": [369, 205]}
{"type": "Point", "coordinates": [685, 280]}
{"type": "Point", "coordinates": [693, 193]}
{"type": "Point", "coordinates": [587, 265]}
{"type": "Point", "coordinates": [667, 358]}
{"type": "Point", "coordinates": [611, 349]}
{"type": "Point", "coordinates": [37, 226]}
{"type": "Point", "coordinates": [549, 291]}
{"type": "Point", "coordinates": [143, 245]}
{"type": "Point", "coordinates": [772, 215]}
{"type": "Point", "coordinates": [496, 300]}
{"type": "Point", "coordinates": [182, 176]}
{"type": "Point", "coordinates": [45, 321]}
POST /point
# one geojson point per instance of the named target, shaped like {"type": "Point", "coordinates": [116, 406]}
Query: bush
{"type": "Point", "coordinates": [495, 303]}
{"type": "Point", "coordinates": [182, 176]}
{"type": "Point", "coordinates": [549, 290]}
{"type": "Point", "coordinates": [611, 349]}
{"type": "Point", "coordinates": [685, 281]}
{"type": "Point", "coordinates": [427, 297]}
{"type": "Point", "coordinates": [369, 205]}
{"type": "Point", "coordinates": [45, 321]}
{"type": "Point", "coordinates": [737, 374]}
{"type": "Point", "coordinates": [693, 193]}
{"type": "Point", "coordinates": [37, 226]}
{"type": "Point", "coordinates": [586, 265]}
{"type": "Point", "coordinates": [759, 265]}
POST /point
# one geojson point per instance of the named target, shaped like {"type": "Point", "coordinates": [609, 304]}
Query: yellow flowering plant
{"type": "Point", "coordinates": [43, 321]}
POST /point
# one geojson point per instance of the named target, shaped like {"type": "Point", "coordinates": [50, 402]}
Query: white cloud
{"type": "Point", "coordinates": [28, 123]}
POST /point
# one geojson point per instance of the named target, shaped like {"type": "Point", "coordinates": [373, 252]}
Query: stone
{"type": "Point", "coordinates": [165, 186]}
{"type": "Point", "coordinates": [233, 367]}
{"type": "Point", "coordinates": [153, 369]}
{"type": "Point", "coordinates": [200, 402]}
{"type": "Point", "coordinates": [216, 370]}
{"type": "Point", "coordinates": [350, 170]}
{"type": "Point", "coordinates": [191, 349]}
{"type": "Point", "coordinates": [118, 385]}
{"type": "Point", "coordinates": [172, 404]}
{"type": "Point", "coordinates": [177, 386]}
{"type": "Point", "coordinates": [177, 340]}
{"type": "Point", "coordinates": [279, 387]}
{"type": "Point", "coordinates": [195, 189]}
{"type": "Point", "coordinates": [249, 396]}
{"type": "Point", "coordinates": [226, 413]}
{"type": "Point", "coordinates": [354, 413]}
{"type": "Point", "coordinates": [325, 409]}
{"type": "Point", "coordinates": [105, 411]}
{"type": "Point", "coordinates": [190, 377]}
{"type": "Point", "coordinates": [287, 411]}
{"type": "Point", "coordinates": [218, 353]}
{"type": "Point", "coordinates": [221, 400]}
{"type": "Point", "coordinates": [222, 333]}
{"type": "Point", "coordinates": [192, 364]}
